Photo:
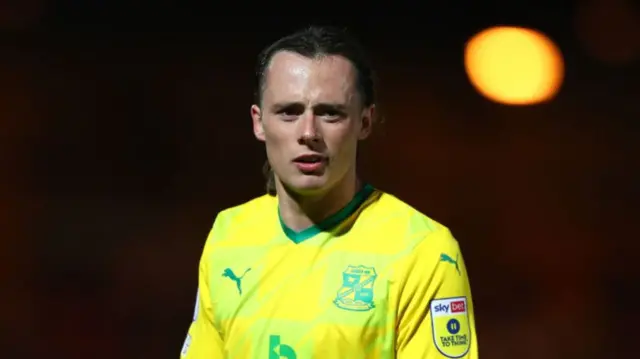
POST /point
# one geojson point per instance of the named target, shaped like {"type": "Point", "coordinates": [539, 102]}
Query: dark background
{"type": "Point", "coordinates": [124, 128]}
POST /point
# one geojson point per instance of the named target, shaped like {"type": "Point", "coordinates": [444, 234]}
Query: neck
{"type": "Point", "coordinates": [300, 212]}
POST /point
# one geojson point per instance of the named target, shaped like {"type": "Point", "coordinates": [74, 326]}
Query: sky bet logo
{"type": "Point", "coordinates": [453, 307]}
{"type": "Point", "coordinates": [449, 306]}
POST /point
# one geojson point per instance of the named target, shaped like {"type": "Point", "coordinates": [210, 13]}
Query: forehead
{"type": "Point", "coordinates": [293, 77]}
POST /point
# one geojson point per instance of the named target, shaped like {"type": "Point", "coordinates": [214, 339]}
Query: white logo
{"type": "Point", "coordinates": [197, 306]}
{"type": "Point", "coordinates": [185, 346]}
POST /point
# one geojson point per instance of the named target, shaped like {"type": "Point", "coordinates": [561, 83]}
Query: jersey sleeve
{"type": "Point", "coordinates": [203, 340]}
{"type": "Point", "coordinates": [435, 317]}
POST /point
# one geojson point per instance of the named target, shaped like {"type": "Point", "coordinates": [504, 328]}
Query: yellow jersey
{"type": "Point", "coordinates": [376, 280]}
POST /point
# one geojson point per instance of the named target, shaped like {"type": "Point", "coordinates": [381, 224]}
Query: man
{"type": "Point", "coordinates": [324, 265]}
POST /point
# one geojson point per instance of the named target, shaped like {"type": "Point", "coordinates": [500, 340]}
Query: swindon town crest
{"type": "Point", "coordinates": [356, 292]}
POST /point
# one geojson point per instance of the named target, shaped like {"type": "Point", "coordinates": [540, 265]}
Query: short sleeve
{"type": "Point", "coordinates": [435, 317]}
{"type": "Point", "coordinates": [203, 340]}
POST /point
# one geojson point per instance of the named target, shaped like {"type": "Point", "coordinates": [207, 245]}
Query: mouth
{"type": "Point", "coordinates": [310, 164]}
{"type": "Point", "coordinates": [313, 158]}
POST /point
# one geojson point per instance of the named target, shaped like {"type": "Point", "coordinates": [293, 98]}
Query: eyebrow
{"type": "Point", "coordinates": [323, 105]}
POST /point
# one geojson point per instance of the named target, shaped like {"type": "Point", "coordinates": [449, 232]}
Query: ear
{"type": "Point", "coordinates": [366, 125]}
{"type": "Point", "coordinates": [256, 117]}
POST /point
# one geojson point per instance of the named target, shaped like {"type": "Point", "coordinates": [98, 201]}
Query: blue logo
{"type": "Point", "coordinates": [278, 350]}
{"type": "Point", "coordinates": [356, 293]}
{"type": "Point", "coordinates": [453, 326]}
{"type": "Point", "coordinates": [228, 273]}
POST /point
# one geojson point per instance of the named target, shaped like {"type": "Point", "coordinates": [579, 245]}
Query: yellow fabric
{"type": "Point", "coordinates": [384, 282]}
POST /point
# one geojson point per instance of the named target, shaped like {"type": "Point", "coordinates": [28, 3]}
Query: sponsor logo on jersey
{"type": "Point", "coordinates": [185, 346]}
{"type": "Point", "coordinates": [447, 259]}
{"type": "Point", "coordinates": [451, 328]}
{"type": "Point", "coordinates": [228, 273]}
{"type": "Point", "coordinates": [356, 293]}
{"type": "Point", "coordinates": [277, 350]}
{"type": "Point", "coordinates": [196, 306]}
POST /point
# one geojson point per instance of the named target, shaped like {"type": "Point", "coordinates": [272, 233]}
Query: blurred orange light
{"type": "Point", "coordinates": [514, 66]}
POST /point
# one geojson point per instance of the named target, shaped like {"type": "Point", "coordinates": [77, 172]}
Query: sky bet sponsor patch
{"type": "Point", "coordinates": [450, 323]}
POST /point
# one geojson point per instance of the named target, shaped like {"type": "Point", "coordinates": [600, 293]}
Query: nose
{"type": "Point", "coordinates": [309, 130]}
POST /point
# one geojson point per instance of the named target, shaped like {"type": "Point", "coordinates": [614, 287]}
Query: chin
{"type": "Point", "coordinates": [308, 184]}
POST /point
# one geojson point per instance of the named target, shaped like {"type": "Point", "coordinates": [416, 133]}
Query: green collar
{"type": "Point", "coordinates": [331, 221]}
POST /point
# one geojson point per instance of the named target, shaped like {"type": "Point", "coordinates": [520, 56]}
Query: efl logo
{"type": "Point", "coordinates": [458, 306]}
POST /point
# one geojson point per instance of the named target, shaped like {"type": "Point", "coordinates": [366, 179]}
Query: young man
{"type": "Point", "coordinates": [324, 265]}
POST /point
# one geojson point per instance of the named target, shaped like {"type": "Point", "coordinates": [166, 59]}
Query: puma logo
{"type": "Point", "coordinates": [228, 273]}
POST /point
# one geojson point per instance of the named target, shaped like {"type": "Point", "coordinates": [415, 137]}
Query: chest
{"type": "Point", "coordinates": [316, 288]}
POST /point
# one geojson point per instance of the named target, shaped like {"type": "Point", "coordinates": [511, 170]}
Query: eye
{"type": "Point", "coordinates": [290, 113]}
{"type": "Point", "coordinates": [287, 115]}
{"type": "Point", "coordinates": [331, 115]}
{"type": "Point", "coordinates": [330, 112]}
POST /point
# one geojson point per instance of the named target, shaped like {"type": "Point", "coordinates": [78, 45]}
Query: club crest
{"type": "Point", "coordinates": [356, 293]}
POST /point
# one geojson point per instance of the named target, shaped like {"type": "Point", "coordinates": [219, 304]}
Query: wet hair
{"type": "Point", "coordinates": [315, 42]}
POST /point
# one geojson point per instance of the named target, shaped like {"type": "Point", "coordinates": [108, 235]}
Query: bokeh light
{"type": "Point", "coordinates": [514, 66]}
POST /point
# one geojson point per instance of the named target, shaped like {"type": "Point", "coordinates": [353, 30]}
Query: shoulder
{"type": "Point", "coordinates": [246, 212]}
{"type": "Point", "coordinates": [415, 231]}
{"type": "Point", "coordinates": [417, 225]}
{"type": "Point", "coordinates": [246, 216]}
{"type": "Point", "coordinates": [425, 242]}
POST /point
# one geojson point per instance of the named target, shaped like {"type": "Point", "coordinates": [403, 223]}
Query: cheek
{"type": "Point", "coordinates": [275, 142]}
{"type": "Point", "coordinates": [343, 144]}
{"type": "Point", "coordinates": [272, 144]}
{"type": "Point", "coordinates": [276, 131]}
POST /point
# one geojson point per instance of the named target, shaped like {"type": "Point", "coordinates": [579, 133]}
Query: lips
{"type": "Point", "coordinates": [310, 164]}
{"type": "Point", "coordinates": [311, 158]}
